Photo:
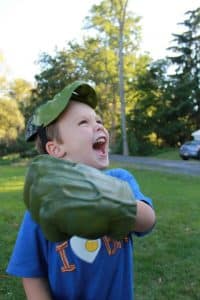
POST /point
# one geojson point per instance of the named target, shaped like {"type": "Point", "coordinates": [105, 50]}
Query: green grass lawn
{"type": "Point", "coordinates": [171, 153]}
{"type": "Point", "coordinates": [167, 261]}
{"type": "Point", "coordinates": [11, 212]}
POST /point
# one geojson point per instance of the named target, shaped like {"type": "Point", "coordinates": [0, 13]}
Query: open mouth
{"type": "Point", "coordinates": [100, 145]}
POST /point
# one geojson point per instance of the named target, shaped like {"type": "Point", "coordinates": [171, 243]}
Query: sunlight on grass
{"type": "Point", "coordinates": [14, 185]}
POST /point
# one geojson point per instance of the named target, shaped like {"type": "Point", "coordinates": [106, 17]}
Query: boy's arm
{"type": "Point", "coordinates": [36, 289]}
{"type": "Point", "coordinates": [145, 217]}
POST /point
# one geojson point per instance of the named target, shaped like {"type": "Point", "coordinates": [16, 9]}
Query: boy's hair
{"type": "Point", "coordinates": [52, 132]}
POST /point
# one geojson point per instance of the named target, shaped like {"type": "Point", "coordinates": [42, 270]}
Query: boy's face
{"type": "Point", "coordinates": [84, 138]}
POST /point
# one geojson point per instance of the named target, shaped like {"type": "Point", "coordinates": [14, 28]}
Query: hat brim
{"type": "Point", "coordinates": [51, 110]}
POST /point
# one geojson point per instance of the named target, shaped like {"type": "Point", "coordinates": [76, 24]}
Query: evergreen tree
{"type": "Point", "coordinates": [168, 109]}
{"type": "Point", "coordinates": [186, 62]}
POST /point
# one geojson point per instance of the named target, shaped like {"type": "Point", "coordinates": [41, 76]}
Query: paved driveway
{"type": "Point", "coordinates": [172, 166]}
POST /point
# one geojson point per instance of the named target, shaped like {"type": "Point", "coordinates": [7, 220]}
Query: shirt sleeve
{"type": "Point", "coordinates": [29, 257]}
{"type": "Point", "coordinates": [128, 177]}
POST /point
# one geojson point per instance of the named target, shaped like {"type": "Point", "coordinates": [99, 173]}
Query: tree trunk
{"type": "Point", "coordinates": [121, 79]}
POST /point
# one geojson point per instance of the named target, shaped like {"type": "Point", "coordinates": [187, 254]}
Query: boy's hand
{"type": "Point", "coordinates": [69, 199]}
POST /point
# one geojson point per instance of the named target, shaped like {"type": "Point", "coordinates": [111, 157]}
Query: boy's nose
{"type": "Point", "coordinates": [99, 126]}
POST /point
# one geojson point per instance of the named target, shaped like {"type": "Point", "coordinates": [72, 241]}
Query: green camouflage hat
{"type": "Point", "coordinates": [78, 90]}
{"type": "Point", "coordinates": [46, 113]}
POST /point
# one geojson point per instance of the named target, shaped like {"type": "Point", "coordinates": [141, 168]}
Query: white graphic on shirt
{"type": "Point", "coordinates": [86, 250]}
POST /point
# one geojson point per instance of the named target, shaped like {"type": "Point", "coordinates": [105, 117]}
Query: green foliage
{"type": "Point", "coordinates": [7, 159]}
{"type": "Point", "coordinates": [146, 118]}
{"type": "Point", "coordinates": [11, 120]}
{"type": "Point", "coordinates": [96, 59]}
{"type": "Point", "coordinates": [56, 72]}
{"type": "Point", "coordinates": [137, 146]}
{"type": "Point", "coordinates": [104, 18]}
{"type": "Point", "coordinates": [185, 58]}
{"type": "Point", "coordinates": [14, 98]}
{"type": "Point", "coordinates": [161, 109]}
{"type": "Point", "coordinates": [20, 91]}
{"type": "Point", "coordinates": [166, 109]}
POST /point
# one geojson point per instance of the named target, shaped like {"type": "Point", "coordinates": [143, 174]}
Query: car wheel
{"type": "Point", "coordinates": [198, 155]}
{"type": "Point", "coordinates": [185, 157]}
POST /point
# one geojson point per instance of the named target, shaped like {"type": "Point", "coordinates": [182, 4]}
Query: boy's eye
{"type": "Point", "coordinates": [100, 122]}
{"type": "Point", "coordinates": [82, 122]}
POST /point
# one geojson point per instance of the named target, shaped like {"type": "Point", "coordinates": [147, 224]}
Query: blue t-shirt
{"type": "Point", "coordinates": [79, 268]}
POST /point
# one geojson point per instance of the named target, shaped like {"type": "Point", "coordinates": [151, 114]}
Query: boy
{"type": "Point", "coordinates": [79, 268]}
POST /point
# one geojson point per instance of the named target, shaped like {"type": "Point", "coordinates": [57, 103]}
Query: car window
{"type": "Point", "coordinates": [193, 143]}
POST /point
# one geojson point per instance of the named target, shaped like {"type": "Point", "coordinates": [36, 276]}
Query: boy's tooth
{"type": "Point", "coordinates": [101, 140]}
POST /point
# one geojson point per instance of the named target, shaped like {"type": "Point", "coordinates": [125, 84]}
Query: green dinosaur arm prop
{"type": "Point", "coordinates": [68, 199]}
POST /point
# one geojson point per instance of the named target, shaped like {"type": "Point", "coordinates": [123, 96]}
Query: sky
{"type": "Point", "coordinates": [30, 27]}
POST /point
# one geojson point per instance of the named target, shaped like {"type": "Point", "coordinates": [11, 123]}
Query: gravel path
{"type": "Point", "coordinates": [172, 166]}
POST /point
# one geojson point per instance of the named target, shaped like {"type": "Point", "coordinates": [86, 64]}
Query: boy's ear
{"type": "Point", "coordinates": [54, 149]}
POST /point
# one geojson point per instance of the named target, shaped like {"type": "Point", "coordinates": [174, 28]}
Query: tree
{"type": "Point", "coordinates": [119, 31]}
{"type": "Point", "coordinates": [185, 59]}
{"type": "Point", "coordinates": [11, 121]}
{"type": "Point", "coordinates": [169, 106]}
{"type": "Point", "coordinates": [56, 72]}
{"type": "Point", "coordinates": [96, 59]}
{"type": "Point", "coordinates": [156, 119]}
{"type": "Point", "coordinates": [146, 117]}
{"type": "Point", "coordinates": [121, 21]}
{"type": "Point", "coordinates": [20, 90]}
{"type": "Point", "coordinates": [14, 97]}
